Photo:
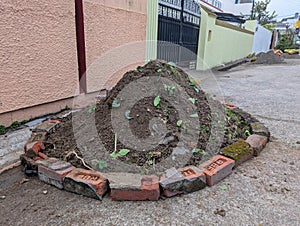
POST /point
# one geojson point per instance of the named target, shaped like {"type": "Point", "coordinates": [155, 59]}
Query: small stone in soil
{"type": "Point", "coordinates": [45, 192]}
{"type": "Point", "coordinates": [24, 180]}
{"type": "Point", "coordinates": [2, 197]}
{"type": "Point", "coordinates": [220, 212]}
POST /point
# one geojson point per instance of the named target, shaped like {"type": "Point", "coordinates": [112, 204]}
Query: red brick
{"type": "Point", "coordinates": [133, 187]}
{"type": "Point", "coordinates": [42, 155]}
{"type": "Point", "coordinates": [86, 182]}
{"type": "Point", "coordinates": [217, 168]}
{"type": "Point", "coordinates": [53, 171]}
{"type": "Point", "coordinates": [257, 143]}
{"type": "Point", "coordinates": [32, 149]}
{"type": "Point", "coordinates": [54, 121]}
{"type": "Point", "coordinates": [184, 180]}
{"type": "Point", "coordinates": [230, 106]}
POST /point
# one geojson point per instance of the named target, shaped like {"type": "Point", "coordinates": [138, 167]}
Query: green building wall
{"type": "Point", "coordinates": [152, 30]}
{"type": "Point", "coordinates": [221, 42]}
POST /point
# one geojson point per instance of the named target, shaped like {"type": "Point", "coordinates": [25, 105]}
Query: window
{"type": "Point", "coordinates": [245, 1]}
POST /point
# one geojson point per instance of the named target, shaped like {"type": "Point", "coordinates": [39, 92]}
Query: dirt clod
{"type": "Point", "coordinates": [220, 212]}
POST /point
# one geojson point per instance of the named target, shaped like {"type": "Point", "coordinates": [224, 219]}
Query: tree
{"type": "Point", "coordinates": [260, 13]}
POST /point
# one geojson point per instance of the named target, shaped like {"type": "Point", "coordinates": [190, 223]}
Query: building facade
{"type": "Point", "coordinates": [238, 7]}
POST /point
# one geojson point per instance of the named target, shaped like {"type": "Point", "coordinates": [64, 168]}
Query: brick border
{"type": "Point", "coordinates": [136, 187]}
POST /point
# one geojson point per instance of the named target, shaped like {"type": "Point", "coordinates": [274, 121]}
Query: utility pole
{"type": "Point", "coordinates": [252, 10]}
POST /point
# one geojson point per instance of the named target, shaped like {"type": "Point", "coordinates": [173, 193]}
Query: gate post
{"type": "Point", "coordinates": [181, 29]}
{"type": "Point", "coordinates": [80, 45]}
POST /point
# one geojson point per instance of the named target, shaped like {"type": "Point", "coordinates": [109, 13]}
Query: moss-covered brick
{"type": "Point", "coordinates": [240, 152]}
{"type": "Point", "coordinates": [259, 129]}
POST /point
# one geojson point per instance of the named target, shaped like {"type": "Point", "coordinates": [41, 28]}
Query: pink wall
{"type": "Point", "coordinates": [38, 61]}
{"type": "Point", "coordinates": [109, 25]}
{"type": "Point", "coordinates": [38, 56]}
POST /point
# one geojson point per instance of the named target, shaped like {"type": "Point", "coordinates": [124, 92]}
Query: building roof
{"type": "Point", "coordinates": [229, 17]}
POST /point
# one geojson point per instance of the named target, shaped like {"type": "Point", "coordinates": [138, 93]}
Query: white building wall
{"type": "Point", "coordinates": [237, 9]}
{"type": "Point", "coordinates": [262, 39]}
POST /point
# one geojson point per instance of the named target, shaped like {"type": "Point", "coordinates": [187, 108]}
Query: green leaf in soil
{"type": "Point", "coordinates": [193, 83]}
{"type": "Point", "coordinates": [159, 70]}
{"type": "Point", "coordinates": [194, 115]}
{"type": "Point", "coordinates": [156, 101]}
{"type": "Point", "coordinates": [114, 155]}
{"type": "Point", "coordinates": [199, 151]}
{"type": "Point", "coordinates": [150, 162]}
{"type": "Point", "coordinates": [102, 164]}
{"type": "Point", "coordinates": [223, 187]}
{"type": "Point", "coordinates": [172, 64]}
{"type": "Point", "coordinates": [179, 123]}
{"type": "Point", "coordinates": [92, 109]}
{"type": "Point", "coordinates": [193, 100]}
{"type": "Point", "coordinates": [127, 115]}
{"type": "Point", "coordinates": [140, 68]}
{"type": "Point", "coordinates": [247, 133]}
{"type": "Point", "coordinates": [116, 103]}
{"type": "Point", "coordinates": [196, 89]}
{"type": "Point", "coordinates": [123, 152]}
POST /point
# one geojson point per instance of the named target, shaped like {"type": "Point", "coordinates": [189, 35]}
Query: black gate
{"type": "Point", "coordinates": [178, 23]}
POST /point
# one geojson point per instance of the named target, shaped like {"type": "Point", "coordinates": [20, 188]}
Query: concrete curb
{"type": "Point", "coordinates": [135, 187]}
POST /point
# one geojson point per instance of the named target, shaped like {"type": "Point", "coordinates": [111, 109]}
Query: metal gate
{"type": "Point", "coordinates": [178, 23]}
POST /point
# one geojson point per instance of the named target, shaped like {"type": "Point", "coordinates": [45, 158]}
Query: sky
{"type": "Point", "coordinates": [284, 8]}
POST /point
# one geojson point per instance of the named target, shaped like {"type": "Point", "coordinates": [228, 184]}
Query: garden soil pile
{"type": "Point", "coordinates": [157, 100]}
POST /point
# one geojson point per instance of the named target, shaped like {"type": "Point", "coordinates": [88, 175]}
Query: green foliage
{"type": "Point", "coordinates": [247, 133]}
{"type": "Point", "coordinates": [270, 27]}
{"type": "Point", "coordinates": [15, 125]}
{"type": "Point", "coordinates": [127, 115]}
{"type": "Point", "coordinates": [286, 41]}
{"type": "Point", "coordinates": [223, 187]}
{"type": "Point", "coordinates": [179, 123]}
{"type": "Point", "coordinates": [139, 68]}
{"type": "Point", "coordinates": [156, 101]}
{"type": "Point", "coordinates": [260, 13]}
{"type": "Point", "coordinates": [102, 164]}
{"type": "Point", "coordinates": [199, 151]}
{"type": "Point", "coordinates": [170, 89]}
{"type": "Point", "coordinates": [193, 83]}
{"type": "Point", "coordinates": [121, 153]}
{"type": "Point", "coordinates": [116, 103]}
{"type": "Point", "coordinates": [159, 70]}
{"type": "Point", "coordinates": [232, 115]}
{"type": "Point", "coordinates": [194, 115]}
{"type": "Point", "coordinates": [150, 162]}
{"type": "Point", "coordinates": [171, 64]}
{"type": "Point", "coordinates": [2, 130]}
{"type": "Point", "coordinates": [193, 100]}
{"type": "Point", "coordinates": [92, 108]}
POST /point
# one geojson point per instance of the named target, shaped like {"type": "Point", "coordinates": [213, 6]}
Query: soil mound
{"type": "Point", "coordinates": [155, 114]}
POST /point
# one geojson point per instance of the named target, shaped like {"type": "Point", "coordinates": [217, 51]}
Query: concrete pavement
{"type": "Point", "coordinates": [262, 191]}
